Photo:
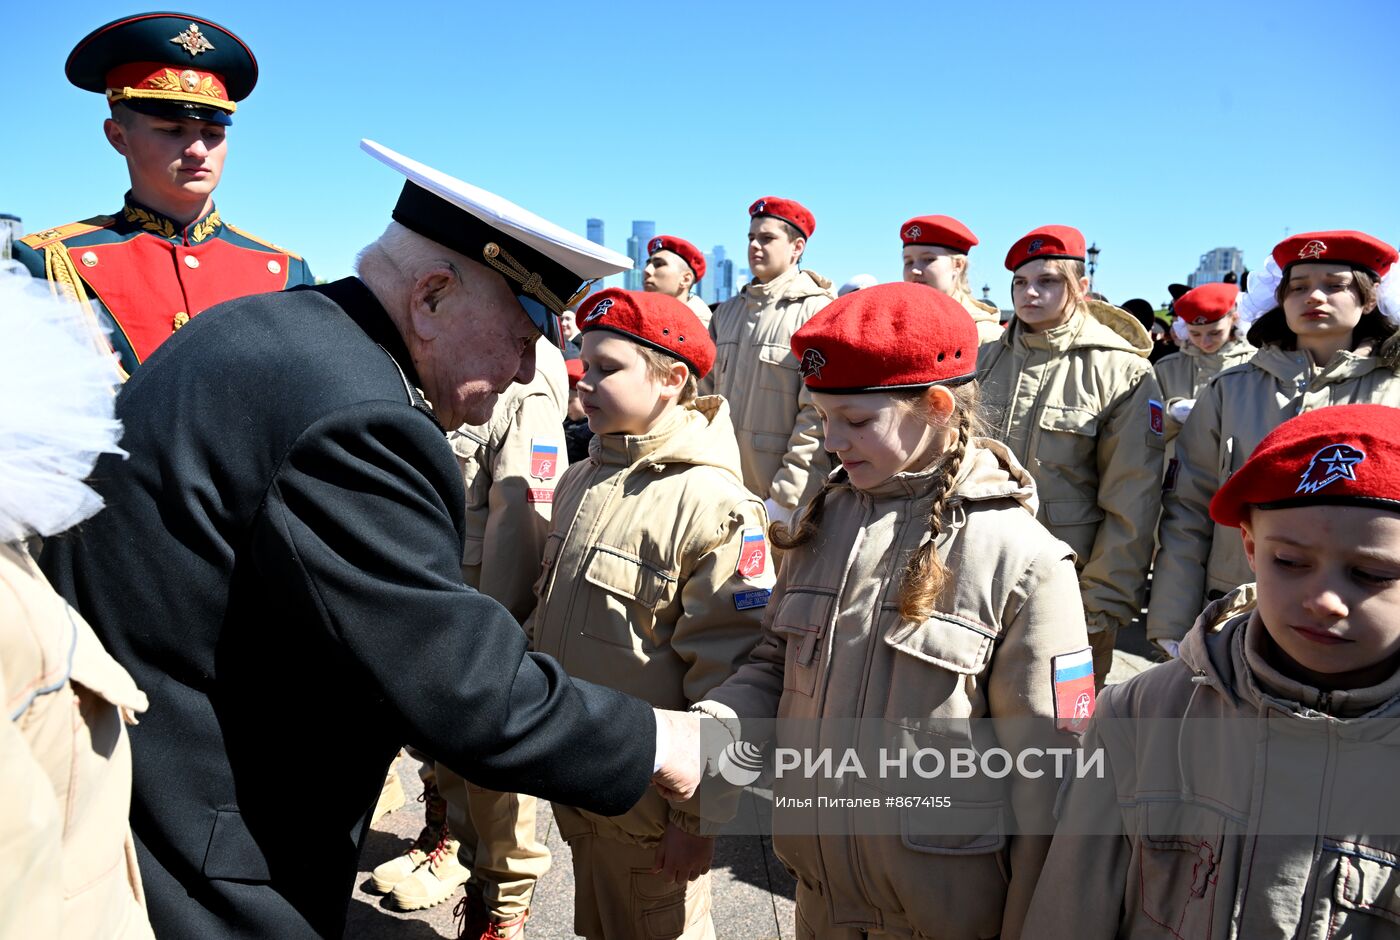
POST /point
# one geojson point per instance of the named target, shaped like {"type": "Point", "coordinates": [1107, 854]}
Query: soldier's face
{"type": "Point", "coordinates": [1329, 591]}
{"type": "Point", "coordinates": [934, 266]}
{"type": "Point", "coordinates": [173, 163]}
{"type": "Point", "coordinates": [1211, 336]}
{"type": "Point", "coordinates": [666, 273]}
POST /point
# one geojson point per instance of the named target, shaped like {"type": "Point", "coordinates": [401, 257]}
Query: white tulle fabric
{"type": "Point", "coordinates": [57, 391]}
{"type": "Point", "coordinates": [1388, 292]}
{"type": "Point", "coordinates": [1260, 299]}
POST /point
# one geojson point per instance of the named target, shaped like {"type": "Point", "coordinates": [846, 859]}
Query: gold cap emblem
{"type": "Point", "coordinates": [180, 320]}
{"type": "Point", "coordinates": [193, 41]}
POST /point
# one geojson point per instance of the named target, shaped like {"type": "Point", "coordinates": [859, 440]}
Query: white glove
{"type": "Point", "coordinates": [1171, 647]}
{"type": "Point", "coordinates": [777, 513]}
{"type": "Point", "coordinates": [1180, 409]}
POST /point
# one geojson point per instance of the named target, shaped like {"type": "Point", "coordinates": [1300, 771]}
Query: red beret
{"type": "Point", "coordinates": [1048, 241]}
{"type": "Point", "coordinates": [1342, 247]}
{"type": "Point", "coordinates": [1339, 454]}
{"type": "Point", "coordinates": [689, 253]}
{"type": "Point", "coordinates": [574, 367]}
{"type": "Point", "coordinates": [886, 337]}
{"type": "Point", "coordinates": [942, 231]}
{"type": "Point", "coordinates": [791, 212]}
{"type": "Point", "coordinates": [656, 320]}
{"type": "Point", "coordinates": [1206, 304]}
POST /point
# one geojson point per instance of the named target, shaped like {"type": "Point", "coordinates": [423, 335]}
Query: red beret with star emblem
{"type": "Point", "coordinates": [889, 336]}
{"type": "Point", "coordinates": [940, 231]}
{"type": "Point", "coordinates": [691, 255]}
{"type": "Point", "coordinates": [788, 210]}
{"type": "Point", "coordinates": [1048, 241]}
{"type": "Point", "coordinates": [1207, 303]}
{"type": "Point", "coordinates": [1340, 247]}
{"type": "Point", "coordinates": [1342, 454]}
{"type": "Point", "coordinates": [659, 321]}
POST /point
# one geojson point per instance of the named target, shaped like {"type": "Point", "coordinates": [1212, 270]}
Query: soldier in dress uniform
{"type": "Point", "coordinates": [172, 82]}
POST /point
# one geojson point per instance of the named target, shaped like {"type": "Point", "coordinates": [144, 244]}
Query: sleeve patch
{"type": "Point", "coordinates": [748, 600]}
{"type": "Point", "coordinates": [544, 458]}
{"type": "Point", "coordinates": [1155, 417]}
{"type": "Point", "coordinates": [753, 554]}
{"type": "Point", "coordinates": [1073, 676]}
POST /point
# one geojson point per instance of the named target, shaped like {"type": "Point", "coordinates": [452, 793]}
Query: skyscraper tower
{"type": "Point", "coordinates": [595, 231]}
{"type": "Point", "coordinates": [642, 233]}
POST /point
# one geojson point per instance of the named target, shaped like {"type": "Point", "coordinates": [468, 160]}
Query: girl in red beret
{"type": "Point", "coordinates": [917, 592]}
{"type": "Point", "coordinates": [1206, 325]}
{"type": "Point", "coordinates": [1069, 388]}
{"type": "Point", "coordinates": [935, 253]}
{"type": "Point", "coordinates": [1250, 784]}
{"type": "Point", "coordinates": [1325, 324]}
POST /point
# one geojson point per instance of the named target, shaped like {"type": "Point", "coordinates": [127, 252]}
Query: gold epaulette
{"type": "Point", "coordinates": [262, 241]}
{"type": "Point", "coordinates": [50, 235]}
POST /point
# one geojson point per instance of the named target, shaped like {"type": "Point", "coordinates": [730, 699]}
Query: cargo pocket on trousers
{"type": "Point", "coordinates": [659, 907]}
{"type": "Point", "coordinates": [233, 854]}
{"type": "Point", "coordinates": [634, 591]}
{"type": "Point", "coordinates": [803, 619]}
{"type": "Point", "coordinates": [1368, 883]}
{"type": "Point", "coordinates": [1180, 857]}
{"type": "Point", "coordinates": [933, 662]}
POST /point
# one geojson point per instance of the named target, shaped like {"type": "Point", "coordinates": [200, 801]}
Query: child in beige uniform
{"type": "Point", "coordinates": [1250, 785]}
{"type": "Point", "coordinates": [917, 593]}
{"type": "Point", "coordinates": [655, 576]}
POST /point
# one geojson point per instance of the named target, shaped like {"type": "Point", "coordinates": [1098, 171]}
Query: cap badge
{"type": "Point", "coordinates": [1334, 462]}
{"type": "Point", "coordinates": [190, 79]}
{"type": "Point", "coordinates": [812, 363]}
{"type": "Point", "coordinates": [655, 246]}
{"type": "Point", "coordinates": [193, 41]}
{"type": "Point", "coordinates": [1199, 321]}
{"type": "Point", "coordinates": [1313, 249]}
{"type": "Point", "coordinates": [913, 232]}
{"type": "Point", "coordinates": [603, 306]}
{"type": "Point", "coordinates": [1035, 245]}
{"type": "Point", "coordinates": [759, 206]}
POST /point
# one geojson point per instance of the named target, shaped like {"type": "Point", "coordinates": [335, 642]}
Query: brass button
{"type": "Point", "coordinates": [191, 261]}
{"type": "Point", "coordinates": [180, 320]}
{"type": "Point", "coordinates": [90, 258]}
{"type": "Point", "coordinates": [274, 266]}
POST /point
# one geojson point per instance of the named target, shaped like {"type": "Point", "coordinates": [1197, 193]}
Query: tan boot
{"type": "Point", "coordinates": [391, 795]}
{"type": "Point", "coordinates": [474, 922]}
{"type": "Point", "coordinates": [387, 875]}
{"type": "Point", "coordinates": [434, 881]}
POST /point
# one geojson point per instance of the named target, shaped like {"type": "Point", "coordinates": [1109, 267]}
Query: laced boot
{"type": "Point", "coordinates": [433, 882]}
{"type": "Point", "coordinates": [386, 876]}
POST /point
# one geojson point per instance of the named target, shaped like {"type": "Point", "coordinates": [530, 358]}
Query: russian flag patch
{"type": "Point", "coordinates": [544, 459]}
{"type": "Point", "coordinates": [1156, 419]}
{"type": "Point", "coordinates": [753, 555]}
{"type": "Point", "coordinates": [1074, 689]}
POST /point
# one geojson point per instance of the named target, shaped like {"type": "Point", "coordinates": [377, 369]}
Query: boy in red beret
{"type": "Point", "coordinates": [654, 580]}
{"type": "Point", "coordinates": [779, 432]}
{"type": "Point", "coordinates": [674, 267]}
{"type": "Point", "coordinates": [918, 590]}
{"type": "Point", "coordinates": [1250, 782]}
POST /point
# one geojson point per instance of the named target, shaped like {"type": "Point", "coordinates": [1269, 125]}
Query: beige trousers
{"type": "Point", "coordinates": [616, 896]}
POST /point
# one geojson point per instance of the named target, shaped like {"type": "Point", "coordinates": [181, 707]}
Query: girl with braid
{"type": "Point", "coordinates": [918, 600]}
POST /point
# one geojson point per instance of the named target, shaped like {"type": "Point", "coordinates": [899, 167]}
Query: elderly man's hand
{"type": "Point", "coordinates": [678, 752]}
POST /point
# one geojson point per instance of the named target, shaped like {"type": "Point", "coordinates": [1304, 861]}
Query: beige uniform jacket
{"type": "Point", "coordinates": [510, 467]}
{"type": "Point", "coordinates": [67, 860]}
{"type": "Point", "coordinates": [987, 318]}
{"type": "Point", "coordinates": [1199, 559]}
{"type": "Point", "coordinates": [1183, 374]}
{"type": "Point", "coordinates": [641, 588]}
{"type": "Point", "coordinates": [1073, 404]}
{"type": "Point", "coordinates": [1247, 820]}
{"type": "Point", "coordinates": [835, 648]}
{"type": "Point", "coordinates": [780, 434]}
{"type": "Point", "coordinates": [699, 308]}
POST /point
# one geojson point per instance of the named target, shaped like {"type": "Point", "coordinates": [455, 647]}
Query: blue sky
{"type": "Point", "coordinates": [1160, 130]}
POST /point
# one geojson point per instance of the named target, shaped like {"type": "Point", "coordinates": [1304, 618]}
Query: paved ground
{"type": "Point", "coordinates": [753, 893]}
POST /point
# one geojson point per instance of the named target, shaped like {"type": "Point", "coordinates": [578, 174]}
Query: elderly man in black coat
{"type": "Point", "coordinates": [278, 567]}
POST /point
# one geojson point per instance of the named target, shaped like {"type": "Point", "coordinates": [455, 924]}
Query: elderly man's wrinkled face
{"type": "Point", "coordinates": [472, 340]}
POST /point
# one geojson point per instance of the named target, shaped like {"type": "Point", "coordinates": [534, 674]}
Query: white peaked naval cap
{"type": "Point", "coordinates": [544, 263]}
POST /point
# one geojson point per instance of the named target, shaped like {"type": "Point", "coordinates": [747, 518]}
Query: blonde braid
{"type": "Point", "coordinates": [783, 536]}
{"type": "Point", "coordinates": [924, 575]}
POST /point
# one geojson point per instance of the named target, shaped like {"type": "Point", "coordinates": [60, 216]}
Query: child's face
{"type": "Point", "coordinates": [934, 266]}
{"type": "Point", "coordinates": [576, 412]}
{"type": "Point", "coordinates": [618, 393]}
{"type": "Point", "coordinates": [666, 273]}
{"type": "Point", "coordinates": [1211, 336]}
{"type": "Point", "coordinates": [877, 435]}
{"type": "Point", "coordinates": [1329, 590]}
{"type": "Point", "coordinates": [1040, 294]}
{"type": "Point", "coordinates": [1321, 300]}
